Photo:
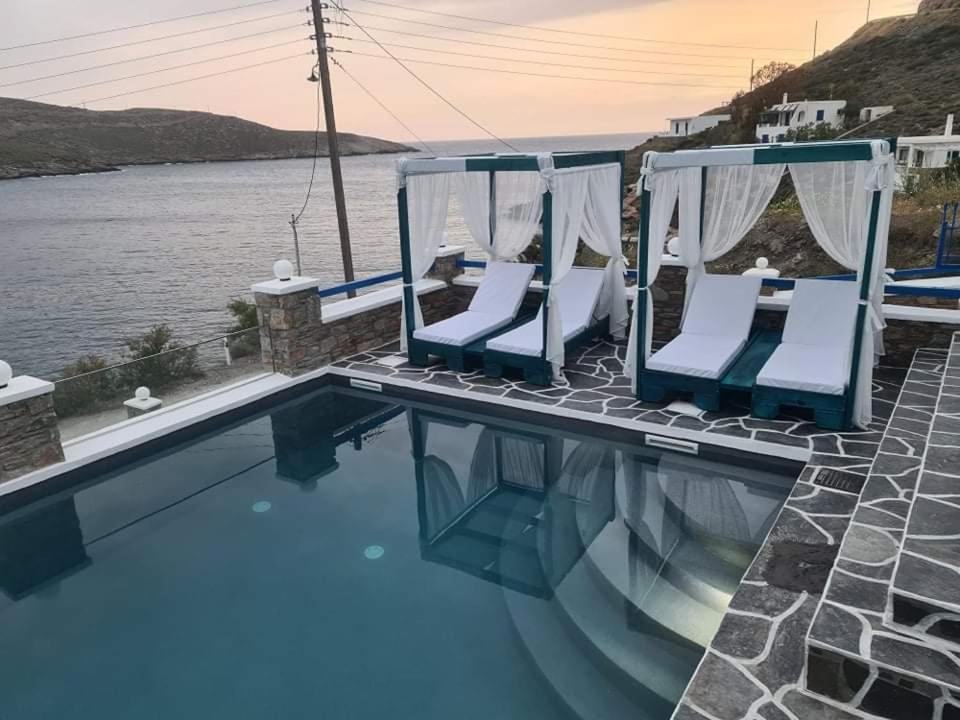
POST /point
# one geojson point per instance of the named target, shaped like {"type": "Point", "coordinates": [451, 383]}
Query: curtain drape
{"type": "Point", "coordinates": [601, 232]}
{"type": "Point", "coordinates": [836, 199]}
{"type": "Point", "coordinates": [568, 189]}
{"type": "Point", "coordinates": [518, 207]}
{"type": "Point", "coordinates": [428, 198]}
{"type": "Point", "coordinates": [733, 200]}
{"type": "Point", "coordinates": [663, 188]}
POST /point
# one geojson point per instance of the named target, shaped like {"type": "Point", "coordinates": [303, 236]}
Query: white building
{"type": "Point", "coordinates": [869, 114]}
{"type": "Point", "coordinates": [928, 151]}
{"type": "Point", "coordinates": [681, 127]}
{"type": "Point", "coordinates": [777, 121]}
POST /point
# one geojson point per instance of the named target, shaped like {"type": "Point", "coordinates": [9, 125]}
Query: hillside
{"type": "Point", "coordinates": [907, 62]}
{"type": "Point", "coordinates": [41, 139]}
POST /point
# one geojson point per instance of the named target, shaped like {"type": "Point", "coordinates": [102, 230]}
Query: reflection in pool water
{"type": "Point", "coordinates": [400, 561]}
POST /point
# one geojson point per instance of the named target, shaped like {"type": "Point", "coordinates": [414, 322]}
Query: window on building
{"type": "Point", "coordinates": [801, 116]}
{"type": "Point", "coordinates": [780, 137]}
{"type": "Point", "coordinates": [953, 156]}
{"type": "Point", "coordinates": [918, 158]}
{"type": "Point", "coordinates": [765, 139]}
{"type": "Point", "coordinates": [903, 154]}
{"type": "Point", "coordinates": [820, 115]}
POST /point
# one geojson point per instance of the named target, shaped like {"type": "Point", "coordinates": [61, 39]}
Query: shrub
{"type": "Point", "coordinates": [245, 314]}
{"type": "Point", "coordinates": [85, 393]}
{"type": "Point", "coordinates": [160, 361]}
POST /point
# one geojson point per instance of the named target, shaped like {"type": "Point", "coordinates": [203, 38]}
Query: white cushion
{"type": "Point", "coordinates": [502, 289]}
{"type": "Point", "coordinates": [577, 297]}
{"type": "Point", "coordinates": [462, 329]}
{"type": "Point", "coordinates": [722, 305]}
{"type": "Point", "coordinates": [823, 369]}
{"type": "Point", "coordinates": [822, 312]}
{"type": "Point", "coordinates": [704, 356]}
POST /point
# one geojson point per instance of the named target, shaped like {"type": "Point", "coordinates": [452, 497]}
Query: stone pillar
{"type": "Point", "coordinates": [29, 435]}
{"type": "Point", "coordinates": [292, 337]}
{"type": "Point", "coordinates": [445, 267]}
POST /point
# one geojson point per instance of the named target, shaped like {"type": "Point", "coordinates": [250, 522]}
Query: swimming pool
{"type": "Point", "coordinates": [344, 555]}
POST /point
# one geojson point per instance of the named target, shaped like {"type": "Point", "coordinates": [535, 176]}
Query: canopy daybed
{"type": "Point", "coordinates": [504, 197]}
{"type": "Point", "coordinates": [845, 189]}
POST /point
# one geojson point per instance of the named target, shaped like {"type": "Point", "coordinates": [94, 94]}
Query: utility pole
{"type": "Point", "coordinates": [332, 141]}
{"type": "Point", "coordinates": [868, 10]}
{"type": "Point", "coordinates": [816, 30]}
{"type": "Point", "coordinates": [752, 63]}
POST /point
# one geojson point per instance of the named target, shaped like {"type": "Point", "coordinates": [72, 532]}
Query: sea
{"type": "Point", "coordinates": [89, 260]}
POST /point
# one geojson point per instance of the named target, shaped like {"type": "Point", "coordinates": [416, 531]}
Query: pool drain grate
{"type": "Point", "coordinates": [837, 480]}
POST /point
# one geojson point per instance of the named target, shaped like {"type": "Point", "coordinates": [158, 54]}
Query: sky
{"type": "Point", "coordinates": [648, 59]}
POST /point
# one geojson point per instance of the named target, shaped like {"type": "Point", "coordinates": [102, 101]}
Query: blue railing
{"type": "Point", "coordinates": [788, 283]}
{"type": "Point", "coordinates": [345, 288]}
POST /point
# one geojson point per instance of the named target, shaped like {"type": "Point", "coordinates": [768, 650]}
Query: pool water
{"type": "Point", "coordinates": [344, 556]}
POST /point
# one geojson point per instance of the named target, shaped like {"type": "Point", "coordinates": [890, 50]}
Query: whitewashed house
{"type": "Point", "coordinates": [927, 151]}
{"type": "Point", "coordinates": [681, 127]}
{"type": "Point", "coordinates": [869, 114]}
{"type": "Point", "coordinates": [777, 121]}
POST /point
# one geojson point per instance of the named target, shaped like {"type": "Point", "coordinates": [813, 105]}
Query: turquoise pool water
{"type": "Point", "coordinates": [347, 557]}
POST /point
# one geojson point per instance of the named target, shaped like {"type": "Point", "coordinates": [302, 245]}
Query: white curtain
{"type": "Point", "coordinates": [569, 194]}
{"type": "Point", "coordinates": [836, 199]}
{"type": "Point", "coordinates": [519, 206]}
{"type": "Point", "coordinates": [733, 200]}
{"type": "Point", "coordinates": [601, 232]}
{"type": "Point", "coordinates": [663, 187]}
{"type": "Point", "coordinates": [428, 197]}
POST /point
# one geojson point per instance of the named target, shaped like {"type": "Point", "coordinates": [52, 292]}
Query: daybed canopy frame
{"type": "Point", "coordinates": [545, 165]}
{"type": "Point", "coordinates": [879, 187]}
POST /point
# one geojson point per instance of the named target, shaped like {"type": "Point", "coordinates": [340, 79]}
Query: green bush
{"type": "Point", "coordinates": [159, 360]}
{"type": "Point", "coordinates": [83, 394]}
{"type": "Point", "coordinates": [245, 314]}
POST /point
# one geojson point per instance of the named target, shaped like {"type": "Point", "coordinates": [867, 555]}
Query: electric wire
{"type": "Point", "coordinates": [550, 42]}
{"type": "Point", "coordinates": [549, 64]}
{"type": "Point", "coordinates": [579, 33]}
{"type": "Point", "coordinates": [313, 170]}
{"type": "Point", "coordinates": [194, 79]}
{"type": "Point", "coordinates": [544, 75]}
{"type": "Point", "coordinates": [541, 51]}
{"type": "Point", "coordinates": [165, 69]}
{"type": "Point", "coordinates": [139, 25]}
{"type": "Point", "coordinates": [149, 57]}
{"type": "Point", "coordinates": [382, 105]}
{"type": "Point", "coordinates": [147, 40]}
{"type": "Point", "coordinates": [423, 82]}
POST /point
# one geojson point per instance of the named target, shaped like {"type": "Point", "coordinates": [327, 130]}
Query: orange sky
{"type": "Point", "coordinates": [510, 105]}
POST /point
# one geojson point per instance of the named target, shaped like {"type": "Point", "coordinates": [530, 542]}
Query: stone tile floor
{"type": "Point", "coordinates": [594, 383]}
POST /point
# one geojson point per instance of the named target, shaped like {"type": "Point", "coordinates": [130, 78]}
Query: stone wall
{"type": "Point", "coordinates": [29, 436]}
{"type": "Point", "coordinates": [668, 293]}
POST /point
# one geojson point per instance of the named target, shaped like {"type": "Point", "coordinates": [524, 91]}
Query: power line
{"type": "Point", "coordinates": [140, 25]}
{"type": "Point", "coordinates": [166, 69]}
{"type": "Point", "coordinates": [579, 33]}
{"type": "Point", "coordinates": [378, 102]}
{"type": "Point", "coordinates": [313, 172]}
{"type": "Point", "coordinates": [423, 82]}
{"type": "Point", "coordinates": [149, 57]}
{"type": "Point", "coordinates": [553, 42]}
{"type": "Point", "coordinates": [545, 75]}
{"type": "Point", "coordinates": [147, 40]}
{"type": "Point", "coordinates": [541, 51]}
{"type": "Point", "coordinates": [549, 64]}
{"type": "Point", "coordinates": [194, 79]}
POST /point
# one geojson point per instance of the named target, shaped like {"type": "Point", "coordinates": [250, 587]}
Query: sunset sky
{"type": "Point", "coordinates": [691, 54]}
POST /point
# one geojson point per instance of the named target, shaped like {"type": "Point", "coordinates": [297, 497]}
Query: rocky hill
{"type": "Point", "coordinates": [41, 139]}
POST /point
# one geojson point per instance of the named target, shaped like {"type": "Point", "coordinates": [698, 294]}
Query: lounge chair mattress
{"type": "Point", "coordinates": [822, 312]}
{"type": "Point", "coordinates": [807, 368]}
{"type": "Point", "coordinates": [701, 356]}
{"type": "Point", "coordinates": [503, 288]}
{"type": "Point", "coordinates": [722, 305]}
{"type": "Point", "coordinates": [463, 329]}
{"type": "Point", "coordinates": [528, 338]}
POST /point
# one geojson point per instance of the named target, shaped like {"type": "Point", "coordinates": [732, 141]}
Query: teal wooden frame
{"type": "Point", "coordinates": [536, 368]}
{"type": "Point", "coordinates": [831, 411]}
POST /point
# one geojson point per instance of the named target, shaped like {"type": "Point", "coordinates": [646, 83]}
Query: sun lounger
{"type": "Point", "coordinates": [715, 331]}
{"type": "Point", "coordinates": [494, 307]}
{"type": "Point", "coordinates": [522, 348]}
{"type": "Point", "coordinates": [811, 366]}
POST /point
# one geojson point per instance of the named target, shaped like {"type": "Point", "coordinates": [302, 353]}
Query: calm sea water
{"type": "Point", "coordinates": [88, 260]}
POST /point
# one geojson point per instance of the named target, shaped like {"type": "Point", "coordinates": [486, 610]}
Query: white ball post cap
{"type": "Point", "coordinates": [763, 263]}
{"type": "Point", "coordinates": [142, 393]}
{"type": "Point", "coordinates": [673, 246]}
{"type": "Point", "coordinates": [283, 270]}
{"type": "Point", "coordinates": [6, 374]}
